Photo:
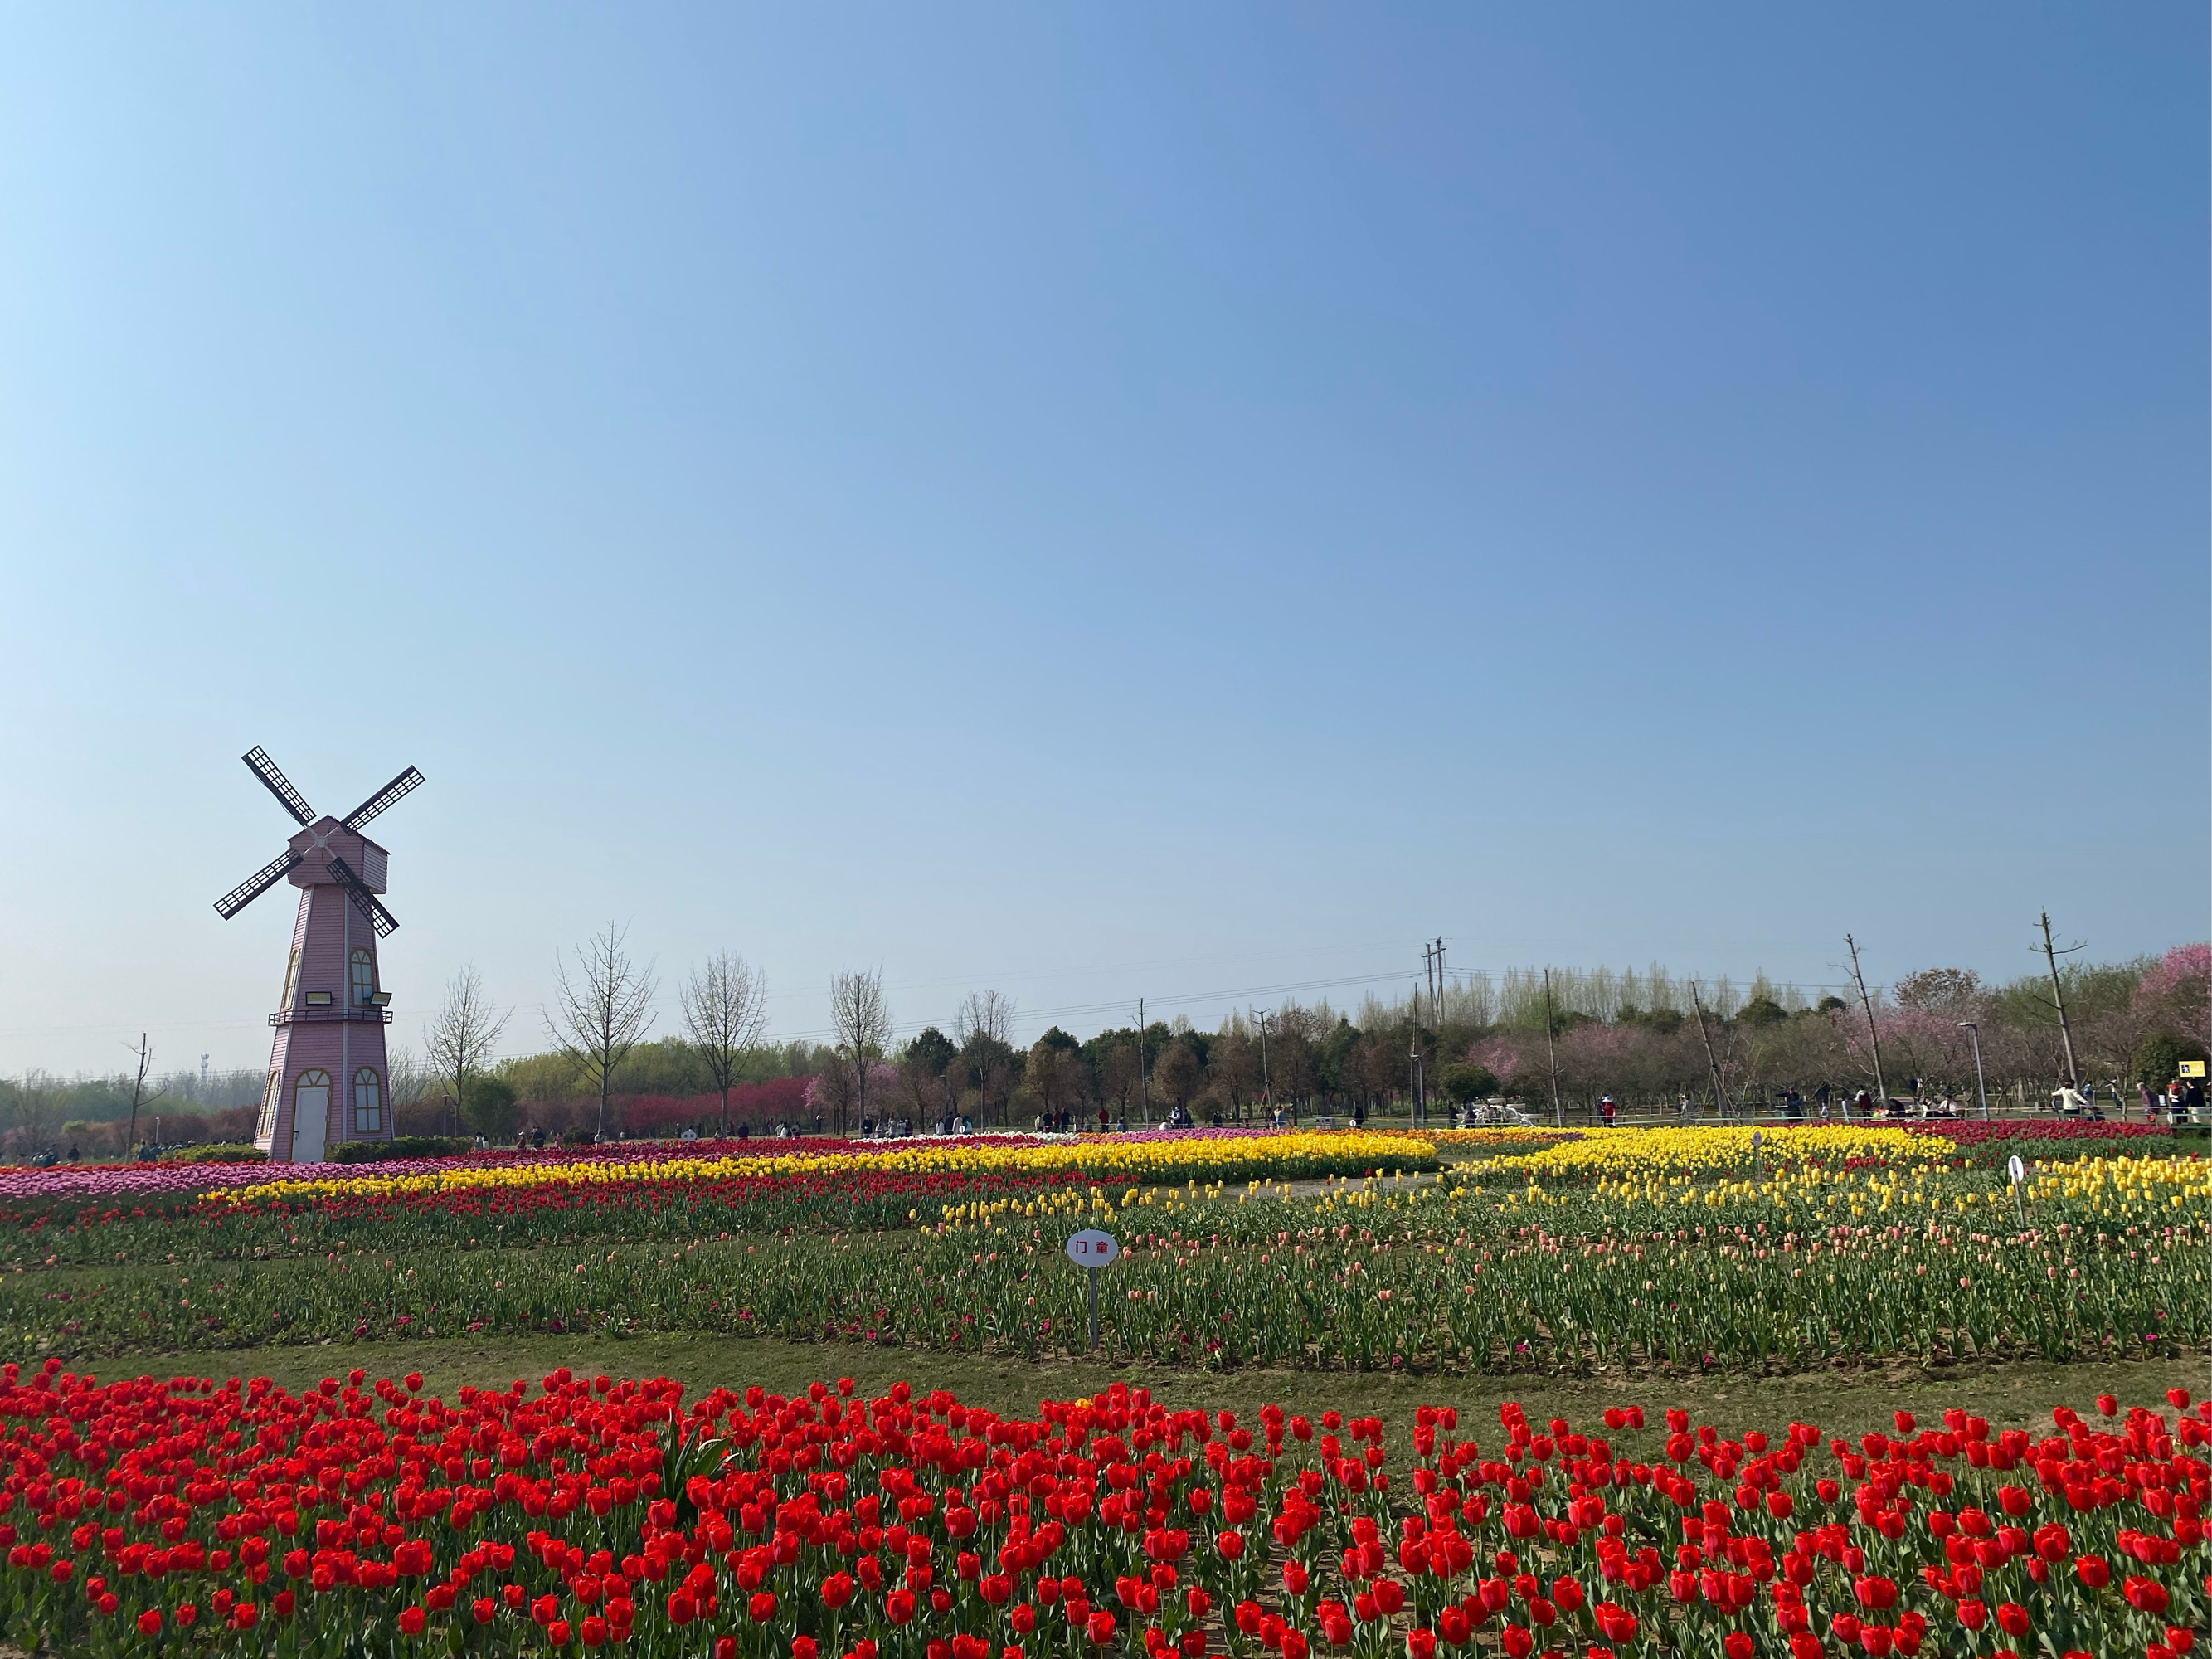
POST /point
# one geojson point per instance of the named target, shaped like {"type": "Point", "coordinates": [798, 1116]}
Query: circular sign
{"type": "Point", "coordinates": [1093, 1249]}
{"type": "Point", "coordinates": [2017, 1169]}
{"type": "Point", "coordinates": [1755, 1140]}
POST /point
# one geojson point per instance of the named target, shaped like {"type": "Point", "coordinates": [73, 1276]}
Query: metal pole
{"type": "Point", "coordinates": [2058, 999]}
{"type": "Point", "coordinates": [1720, 1094]}
{"type": "Point", "coordinates": [1981, 1084]}
{"type": "Point", "coordinates": [1873, 1036]}
{"type": "Point", "coordinates": [1551, 1055]}
{"type": "Point", "coordinates": [1144, 1097]}
{"type": "Point", "coordinates": [1092, 1273]}
{"type": "Point", "coordinates": [1267, 1076]}
{"type": "Point", "coordinates": [1415, 1113]}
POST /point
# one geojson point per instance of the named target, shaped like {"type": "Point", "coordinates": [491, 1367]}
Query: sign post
{"type": "Point", "coordinates": [2018, 1171]}
{"type": "Point", "coordinates": [1091, 1249]}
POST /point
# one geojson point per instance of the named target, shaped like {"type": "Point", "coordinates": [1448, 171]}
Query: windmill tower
{"type": "Point", "coordinates": [328, 1081]}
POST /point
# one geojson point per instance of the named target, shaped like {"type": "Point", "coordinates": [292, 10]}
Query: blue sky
{"type": "Point", "coordinates": [1098, 500]}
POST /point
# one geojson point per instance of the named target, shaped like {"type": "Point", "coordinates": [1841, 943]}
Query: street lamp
{"type": "Point", "coordinates": [1973, 1031]}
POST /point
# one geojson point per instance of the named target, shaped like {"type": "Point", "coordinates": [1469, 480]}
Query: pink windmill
{"type": "Point", "coordinates": [327, 1078]}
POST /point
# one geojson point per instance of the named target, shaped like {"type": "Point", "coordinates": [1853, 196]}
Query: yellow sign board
{"type": "Point", "coordinates": [2193, 1068]}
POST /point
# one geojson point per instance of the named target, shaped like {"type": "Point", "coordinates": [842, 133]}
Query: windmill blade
{"type": "Point", "coordinates": [255, 885]}
{"type": "Point", "coordinates": [380, 918]}
{"type": "Point", "coordinates": [257, 761]}
{"type": "Point", "coordinates": [383, 798]}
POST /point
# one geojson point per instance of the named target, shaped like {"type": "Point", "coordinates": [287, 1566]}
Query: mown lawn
{"type": "Point", "coordinates": [1848, 1401]}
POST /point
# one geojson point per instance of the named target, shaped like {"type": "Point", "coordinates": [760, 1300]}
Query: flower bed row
{"type": "Point", "coordinates": [1289, 1154]}
{"type": "Point", "coordinates": [146, 1517]}
{"type": "Point", "coordinates": [1972, 1131]}
{"type": "Point", "coordinates": [1707, 1149]}
{"type": "Point", "coordinates": [1501, 1142]}
{"type": "Point", "coordinates": [652, 1174]}
{"type": "Point", "coordinates": [2113, 1260]}
{"type": "Point", "coordinates": [130, 1182]}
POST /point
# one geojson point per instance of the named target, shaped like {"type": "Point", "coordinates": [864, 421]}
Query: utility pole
{"type": "Point", "coordinates": [1428, 979]}
{"type": "Point", "coordinates": [1266, 1077]}
{"type": "Point", "coordinates": [144, 1056]}
{"type": "Point", "coordinates": [1144, 1077]}
{"type": "Point", "coordinates": [1413, 1051]}
{"type": "Point", "coordinates": [1973, 1030]}
{"type": "Point", "coordinates": [1720, 1094]}
{"type": "Point", "coordinates": [2058, 1000]}
{"type": "Point", "coordinates": [1866, 1002]}
{"type": "Point", "coordinates": [1552, 1053]}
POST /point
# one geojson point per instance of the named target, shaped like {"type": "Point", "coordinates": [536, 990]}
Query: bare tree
{"type": "Point", "coordinates": [1234, 1065]}
{"type": "Point", "coordinates": [144, 1054]}
{"type": "Point", "coordinates": [1292, 1070]}
{"type": "Point", "coordinates": [863, 1026]}
{"type": "Point", "coordinates": [1118, 1079]}
{"type": "Point", "coordinates": [923, 1086]}
{"type": "Point", "coordinates": [1953, 993]}
{"type": "Point", "coordinates": [983, 1026]}
{"type": "Point", "coordinates": [459, 1041]}
{"type": "Point", "coordinates": [601, 1013]}
{"type": "Point", "coordinates": [1175, 1074]}
{"type": "Point", "coordinates": [1055, 1073]}
{"type": "Point", "coordinates": [409, 1080]}
{"type": "Point", "coordinates": [725, 1014]}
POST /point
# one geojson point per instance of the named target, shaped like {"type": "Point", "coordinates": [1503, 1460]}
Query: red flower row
{"type": "Point", "coordinates": [612, 1514]}
{"type": "Point", "coordinates": [1974, 1132]}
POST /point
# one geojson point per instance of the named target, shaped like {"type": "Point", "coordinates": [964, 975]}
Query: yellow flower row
{"type": "Point", "coordinates": [2109, 1185]}
{"type": "Point", "coordinates": [2178, 1180]}
{"type": "Point", "coordinates": [1508, 1136]}
{"type": "Point", "coordinates": [1288, 1155]}
{"type": "Point", "coordinates": [1641, 1153]}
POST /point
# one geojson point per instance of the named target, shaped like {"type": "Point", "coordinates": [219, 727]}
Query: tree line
{"type": "Point", "coordinates": [1552, 1040]}
{"type": "Point", "coordinates": [1535, 1036]}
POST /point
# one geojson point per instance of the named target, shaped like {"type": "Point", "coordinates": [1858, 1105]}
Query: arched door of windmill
{"type": "Point", "coordinates": [311, 1116]}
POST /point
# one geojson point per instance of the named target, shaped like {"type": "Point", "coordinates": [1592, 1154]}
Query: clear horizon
{"type": "Point", "coordinates": [1099, 505]}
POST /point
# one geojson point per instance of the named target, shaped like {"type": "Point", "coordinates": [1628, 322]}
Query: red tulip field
{"type": "Point", "coordinates": [639, 1517]}
{"type": "Point", "coordinates": [707, 1518]}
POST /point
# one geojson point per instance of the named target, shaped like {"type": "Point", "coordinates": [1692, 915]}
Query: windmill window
{"type": "Point", "coordinates": [291, 978]}
{"type": "Point", "coordinates": [364, 977]}
{"type": "Point", "coordinates": [268, 1130]}
{"type": "Point", "coordinates": [368, 1102]}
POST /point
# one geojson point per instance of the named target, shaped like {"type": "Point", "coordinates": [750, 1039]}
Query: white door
{"type": "Point", "coordinates": [311, 1117]}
